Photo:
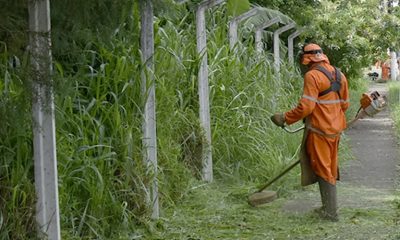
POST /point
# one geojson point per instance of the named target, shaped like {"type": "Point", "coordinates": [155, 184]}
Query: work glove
{"type": "Point", "coordinates": [278, 119]}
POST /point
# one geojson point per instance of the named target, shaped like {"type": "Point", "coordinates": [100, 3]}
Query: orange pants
{"type": "Point", "coordinates": [323, 154]}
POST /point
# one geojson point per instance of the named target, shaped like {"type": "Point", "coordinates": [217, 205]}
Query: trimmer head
{"type": "Point", "coordinates": [260, 198]}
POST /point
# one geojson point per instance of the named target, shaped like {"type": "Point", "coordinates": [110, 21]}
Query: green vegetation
{"type": "Point", "coordinates": [99, 115]}
{"type": "Point", "coordinates": [394, 100]}
{"type": "Point", "coordinates": [354, 34]}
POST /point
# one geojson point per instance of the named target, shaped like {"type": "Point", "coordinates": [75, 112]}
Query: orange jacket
{"type": "Point", "coordinates": [326, 113]}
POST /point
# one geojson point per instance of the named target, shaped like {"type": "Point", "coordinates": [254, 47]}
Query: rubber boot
{"type": "Point", "coordinates": [328, 199]}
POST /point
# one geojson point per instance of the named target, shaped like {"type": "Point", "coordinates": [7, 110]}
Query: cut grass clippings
{"type": "Point", "coordinates": [219, 211]}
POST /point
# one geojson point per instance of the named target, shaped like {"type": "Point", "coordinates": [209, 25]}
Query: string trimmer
{"type": "Point", "coordinates": [371, 104]}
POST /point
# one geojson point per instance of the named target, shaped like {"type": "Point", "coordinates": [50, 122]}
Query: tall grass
{"type": "Point", "coordinates": [394, 100]}
{"type": "Point", "coordinates": [99, 125]}
{"type": "Point", "coordinates": [99, 115]}
{"type": "Point", "coordinates": [16, 169]}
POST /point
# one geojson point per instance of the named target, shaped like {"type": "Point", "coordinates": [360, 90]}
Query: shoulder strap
{"type": "Point", "coordinates": [326, 72]}
{"type": "Point", "coordinates": [335, 85]}
{"type": "Point", "coordinates": [338, 83]}
{"type": "Point", "coordinates": [338, 75]}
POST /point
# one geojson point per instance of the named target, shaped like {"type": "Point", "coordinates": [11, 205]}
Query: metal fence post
{"type": "Point", "coordinates": [277, 59]}
{"type": "Point", "coordinates": [44, 137]}
{"type": "Point", "coordinates": [149, 120]}
{"type": "Point", "coordinates": [258, 33]}
{"type": "Point", "coordinates": [203, 87]}
{"type": "Point", "coordinates": [290, 46]}
{"type": "Point", "coordinates": [233, 26]}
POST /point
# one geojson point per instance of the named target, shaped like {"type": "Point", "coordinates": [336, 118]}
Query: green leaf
{"type": "Point", "coordinates": [237, 7]}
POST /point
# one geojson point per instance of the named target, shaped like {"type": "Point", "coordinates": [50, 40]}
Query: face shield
{"type": "Point", "coordinates": [312, 56]}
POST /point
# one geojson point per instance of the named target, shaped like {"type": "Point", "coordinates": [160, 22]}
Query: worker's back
{"type": "Point", "coordinates": [328, 115]}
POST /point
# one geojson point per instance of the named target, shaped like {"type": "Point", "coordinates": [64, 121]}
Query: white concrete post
{"type": "Point", "coordinates": [234, 23]}
{"type": "Point", "coordinates": [393, 66]}
{"type": "Point", "coordinates": [258, 33]}
{"type": "Point", "coordinates": [149, 120]}
{"type": "Point", "coordinates": [44, 137]}
{"type": "Point", "coordinates": [203, 88]}
{"type": "Point", "coordinates": [277, 59]}
{"type": "Point", "coordinates": [290, 46]}
{"type": "Point", "coordinates": [384, 6]}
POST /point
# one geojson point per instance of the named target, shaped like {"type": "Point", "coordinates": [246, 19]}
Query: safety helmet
{"type": "Point", "coordinates": [312, 53]}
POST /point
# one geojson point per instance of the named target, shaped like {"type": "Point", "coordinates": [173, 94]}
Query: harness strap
{"type": "Point", "coordinates": [335, 85]}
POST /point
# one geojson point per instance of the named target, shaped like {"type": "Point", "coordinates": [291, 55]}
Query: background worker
{"type": "Point", "coordinates": [322, 106]}
{"type": "Point", "coordinates": [385, 66]}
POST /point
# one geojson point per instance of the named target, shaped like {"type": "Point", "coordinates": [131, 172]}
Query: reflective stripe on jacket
{"type": "Point", "coordinates": [325, 113]}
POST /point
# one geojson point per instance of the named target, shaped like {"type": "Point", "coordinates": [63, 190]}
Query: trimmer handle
{"type": "Point", "coordinates": [293, 131]}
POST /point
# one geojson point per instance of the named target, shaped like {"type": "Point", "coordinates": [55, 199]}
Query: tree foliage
{"type": "Point", "coordinates": [237, 7]}
{"type": "Point", "coordinates": [13, 25]}
{"type": "Point", "coordinates": [354, 33]}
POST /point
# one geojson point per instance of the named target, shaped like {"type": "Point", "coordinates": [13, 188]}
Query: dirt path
{"type": "Point", "coordinates": [376, 150]}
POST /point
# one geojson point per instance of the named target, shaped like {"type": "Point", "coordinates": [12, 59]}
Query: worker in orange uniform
{"type": "Point", "coordinates": [322, 107]}
{"type": "Point", "coordinates": [385, 65]}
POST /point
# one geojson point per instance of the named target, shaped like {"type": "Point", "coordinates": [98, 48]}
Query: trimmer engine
{"type": "Point", "coordinates": [372, 103]}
